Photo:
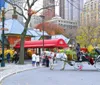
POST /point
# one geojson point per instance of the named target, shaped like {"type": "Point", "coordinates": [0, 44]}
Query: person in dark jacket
{"type": "Point", "coordinates": [78, 51]}
{"type": "Point", "coordinates": [8, 57]}
{"type": "Point", "coordinates": [0, 57]}
{"type": "Point", "coordinates": [16, 58]}
{"type": "Point", "coordinates": [47, 61]}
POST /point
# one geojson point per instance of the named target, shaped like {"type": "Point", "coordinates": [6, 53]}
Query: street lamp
{"type": "Point", "coordinates": [3, 20]}
{"type": "Point", "coordinates": [3, 35]}
{"type": "Point", "coordinates": [43, 28]}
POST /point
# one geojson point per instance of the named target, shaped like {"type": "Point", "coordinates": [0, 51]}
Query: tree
{"type": "Point", "coordinates": [50, 28]}
{"type": "Point", "coordinates": [88, 35]}
{"type": "Point", "coordinates": [27, 16]}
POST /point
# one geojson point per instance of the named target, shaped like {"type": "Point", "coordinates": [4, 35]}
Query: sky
{"type": "Point", "coordinates": [39, 4]}
{"type": "Point", "coordinates": [84, 1]}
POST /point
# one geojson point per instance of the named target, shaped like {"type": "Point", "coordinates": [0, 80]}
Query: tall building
{"type": "Point", "coordinates": [71, 9]}
{"type": "Point", "coordinates": [49, 12]}
{"type": "Point", "coordinates": [62, 8]}
{"type": "Point", "coordinates": [35, 20]}
{"type": "Point", "coordinates": [91, 14]}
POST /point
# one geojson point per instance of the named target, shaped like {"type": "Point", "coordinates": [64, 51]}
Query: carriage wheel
{"type": "Point", "coordinates": [97, 63]}
{"type": "Point", "coordinates": [78, 66]}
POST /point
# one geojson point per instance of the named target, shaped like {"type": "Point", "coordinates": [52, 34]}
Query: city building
{"type": "Point", "coordinates": [35, 20]}
{"type": "Point", "coordinates": [66, 24]}
{"type": "Point", "coordinates": [69, 26]}
{"type": "Point", "coordinates": [49, 12]}
{"type": "Point", "coordinates": [71, 9]}
{"type": "Point", "coordinates": [62, 8]}
{"type": "Point", "coordinates": [91, 14]}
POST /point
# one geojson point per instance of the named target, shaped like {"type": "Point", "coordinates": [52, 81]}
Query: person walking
{"type": "Point", "coordinates": [13, 58]}
{"type": "Point", "coordinates": [0, 57]}
{"type": "Point", "coordinates": [37, 60]}
{"type": "Point", "coordinates": [43, 58]}
{"type": "Point", "coordinates": [16, 57]}
{"type": "Point", "coordinates": [33, 58]}
{"type": "Point", "coordinates": [51, 56]}
{"type": "Point", "coordinates": [8, 57]}
{"type": "Point", "coordinates": [47, 61]}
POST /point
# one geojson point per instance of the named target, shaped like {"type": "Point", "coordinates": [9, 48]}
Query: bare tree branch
{"type": "Point", "coordinates": [8, 10]}
{"type": "Point", "coordinates": [28, 4]}
{"type": "Point", "coordinates": [15, 5]}
{"type": "Point", "coordinates": [25, 7]}
{"type": "Point", "coordinates": [33, 3]}
{"type": "Point", "coordinates": [45, 8]}
{"type": "Point", "coordinates": [21, 15]}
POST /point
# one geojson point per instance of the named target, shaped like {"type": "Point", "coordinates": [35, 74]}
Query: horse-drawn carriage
{"type": "Point", "coordinates": [72, 60]}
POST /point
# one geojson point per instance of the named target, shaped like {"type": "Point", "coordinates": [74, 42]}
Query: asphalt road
{"type": "Point", "coordinates": [44, 76]}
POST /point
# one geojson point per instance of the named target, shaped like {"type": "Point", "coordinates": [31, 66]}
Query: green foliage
{"type": "Point", "coordinates": [88, 35]}
{"type": "Point", "coordinates": [70, 54]}
{"type": "Point", "coordinates": [93, 54]}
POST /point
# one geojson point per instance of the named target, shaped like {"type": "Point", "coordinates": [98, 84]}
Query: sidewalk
{"type": "Point", "coordinates": [12, 68]}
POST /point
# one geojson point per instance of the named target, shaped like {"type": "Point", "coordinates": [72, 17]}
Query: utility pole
{"type": "Point", "coordinates": [43, 28]}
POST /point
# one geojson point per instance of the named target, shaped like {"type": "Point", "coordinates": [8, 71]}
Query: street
{"type": "Point", "coordinates": [44, 76]}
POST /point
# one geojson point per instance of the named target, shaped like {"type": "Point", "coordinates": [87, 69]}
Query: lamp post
{"type": "Point", "coordinates": [43, 28]}
{"type": "Point", "coordinates": [3, 20]}
{"type": "Point", "coordinates": [4, 29]}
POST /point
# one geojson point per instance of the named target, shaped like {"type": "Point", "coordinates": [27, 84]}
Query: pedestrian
{"type": "Point", "coordinates": [47, 61]}
{"type": "Point", "coordinates": [16, 57]}
{"type": "Point", "coordinates": [33, 58]}
{"type": "Point", "coordinates": [13, 58]}
{"type": "Point", "coordinates": [37, 60]}
{"type": "Point", "coordinates": [51, 56]}
{"type": "Point", "coordinates": [8, 57]}
{"type": "Point", "coordinates": [0, 57]}
{"type": "Point", "coordinates": [43, 58]}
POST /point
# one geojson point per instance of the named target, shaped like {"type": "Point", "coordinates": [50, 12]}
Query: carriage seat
{"type": "Point", "coordinates": [98, 51]}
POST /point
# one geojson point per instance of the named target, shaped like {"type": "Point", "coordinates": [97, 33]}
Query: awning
{"type": "Point", "coordinates": [50, 43]}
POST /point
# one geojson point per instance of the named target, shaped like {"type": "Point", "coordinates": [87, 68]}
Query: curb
{"type": "Point", "coordinates": [15, 72]}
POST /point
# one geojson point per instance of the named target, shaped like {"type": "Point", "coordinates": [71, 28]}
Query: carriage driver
{"type": "Point", "coordinates": [78, 51]}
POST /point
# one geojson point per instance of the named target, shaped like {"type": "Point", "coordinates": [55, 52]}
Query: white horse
{"type": "Point", "coordinates": [62, 57]}
{"type": "Point", "coordinates": [59, 57]}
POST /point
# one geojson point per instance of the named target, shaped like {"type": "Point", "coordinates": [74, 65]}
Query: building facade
{"type": "Point", "coordinates": [49, 12]}
{"type": "Point", "coordinates": [35, 20]}
{"type": "Point", "coordinates": [71, 9]}
{"type": "Point", "coordinates": [69, 26]}
{"type": "Point", "coordinates": [62, 8]}
{"type": "Point", "coordinates": [91, 14]}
